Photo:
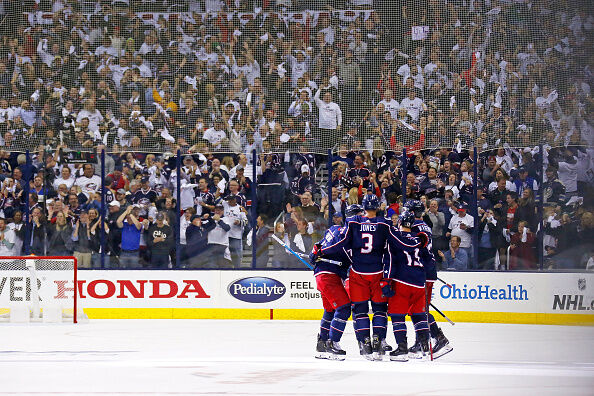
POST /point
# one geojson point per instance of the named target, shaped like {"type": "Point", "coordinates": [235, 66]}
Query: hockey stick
{"type": "Point", "coordinates": [444, 282]}
{"type": "Point", "coordinates": [427, 316]}
{"type": "Point", "coordinates": [335, 262]}
{"type": "Point", "coordinates": [441, 313]}
{"type": "Point", "coordinates": [291, 251]}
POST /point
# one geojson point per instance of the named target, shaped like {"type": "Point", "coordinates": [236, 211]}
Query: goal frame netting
{"type": "Point", "coordinates": [33, 273]}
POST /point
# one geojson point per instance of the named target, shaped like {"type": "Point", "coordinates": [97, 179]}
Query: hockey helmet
{"type": "Point", "coordinates": [353, 210]}
{"type": "Point", "coordinates": [415, 206]}
{"type": "Point", "coordinates": [370, 202]}
{"type": "Point", "coordinates": [406, 219]}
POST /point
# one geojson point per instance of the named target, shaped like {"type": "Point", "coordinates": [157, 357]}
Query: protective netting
{"type": "Point", "coordinates": [237, 75]}
{"type": "Point", "coordinates": [55, 286]}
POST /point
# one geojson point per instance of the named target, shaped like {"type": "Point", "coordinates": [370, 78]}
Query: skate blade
{"type": "Point", "coordinates": [321, 355]}
{"type": "Point", "coordinates": [336, 357]}
{"type": "Point", "coordinates": [442, 351]}
{"type": "Point", "coordinates": [399, 358]}
{"type": "Point", "coordinates": [369, 357]}
{"type": "Point", "coordinates": [415, 355]}
{"type": "Point", "coordinates": [378, 356]}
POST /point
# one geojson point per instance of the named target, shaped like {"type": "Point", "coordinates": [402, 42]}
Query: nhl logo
{"type": "Point", "coordinates": [582, 284]}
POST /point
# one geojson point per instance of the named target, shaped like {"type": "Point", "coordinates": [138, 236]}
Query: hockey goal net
{"type": "Point", "coordinates": [34, 288]}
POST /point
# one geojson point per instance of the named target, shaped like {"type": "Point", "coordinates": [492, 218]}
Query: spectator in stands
{"type": "Point", "coordinates": [523, 181]}
{"type": "Point", "coordinates": [330, 117]}
{"type": "Point", "coordinates": [262, 241]}
{"type": "Point", "coordinates": [131, 228]}
{"type": "Point", "coordinates": [196, 243]}
{"type": "Point", "coordinates": [522, 252]}
{"type": "Point", "coordinates": [489, 239]}
{"type": "Point", "coordinates": [553, 189]}
{"type": "Point", "coordinates": [81, 236]}
{"type": "Point", "coordinates": [218, 239]}
{"type": "Point", "coordinates": [238, 216]}
{"type": "Point", "coordinates": [455, 258]}
{"type": "Point", "coordinates": [7, 239]}
{"type": "Point", "coordinates": [159, 238]}
{"type": "Point", "coordinates": [59, 236]}
{"type": "Point", "coordinates": [461, 225]}
{"type": "Point", "coordinates": [438, 225]}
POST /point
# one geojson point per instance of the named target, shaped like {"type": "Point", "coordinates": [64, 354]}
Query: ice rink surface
{"type": "Point", "coordinates": [248, 357]}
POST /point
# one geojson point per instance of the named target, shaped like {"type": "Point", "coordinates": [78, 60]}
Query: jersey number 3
{"type": "Point", "coordinates": [368, 245]}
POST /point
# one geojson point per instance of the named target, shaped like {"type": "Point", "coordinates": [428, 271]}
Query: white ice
{"type": "Point", "coordinates": [243, 357]}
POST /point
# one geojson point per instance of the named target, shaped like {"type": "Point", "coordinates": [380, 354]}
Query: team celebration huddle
{"type": "Point", "coordinates": [371, 259]}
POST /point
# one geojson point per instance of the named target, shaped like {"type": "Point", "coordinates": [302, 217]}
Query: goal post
{"type": "Point", "coordinates": [39, 288]}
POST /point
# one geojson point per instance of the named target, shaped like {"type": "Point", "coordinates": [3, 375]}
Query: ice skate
{"type": "Point", "coordinates": [365, 349]}
{"type": "Point", "coordinates": [400, 354]}
{"type": "Point", "coordinates": [441, 346]}
{"type": "Point", "coordinates": [415, 351]}
{"type": "Point", "coordinates": [378, 350]}
{"type": "Point", "coordinates": [334, 351]}
{"type": "Point", "coordinates": [321, 352]}
{"type": "Point", "coordinates": [386, 346]}
{"type": "Point", "coordinates": [421, 351]}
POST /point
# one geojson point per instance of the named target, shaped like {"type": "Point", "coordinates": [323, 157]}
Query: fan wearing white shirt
{"type": "Point", "coordinates": [65, 178]}
{"type": "Point", "coordinates": [296, 108]}
{"type": "Point", "coordinates": [88, 182]}
{"type": "Point", "coordinates": [405, 69]}
{"type": "Point", "coordinates": [299, 65]}
{"type": "Point", "coordinates": [330, 116]}
{"type": "Point", "coordinates": [413, 105]}
{"type": "Point", "coordinates": [143, 68]}
{"type": "Point", "coordinates": [216, 135]}
{"type": "Point", "coordinates": [7, 239]}
{"type": "Point", "coordinates": [6, 113]}
{"type": "Point", "coordinates": [248, 66]}
{"type": "Point", "coordinates": [93, 114]}
{"type": "Point", "coordinates": [390, 104]}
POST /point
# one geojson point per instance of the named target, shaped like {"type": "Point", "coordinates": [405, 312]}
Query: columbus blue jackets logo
{"type": "Point", "coordinates": [582, 284]}
{"type": "Point", "coordinates": [257, 289]}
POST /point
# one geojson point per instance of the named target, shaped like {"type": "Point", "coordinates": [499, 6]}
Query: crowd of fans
{"type": "Point", "coordinates": [512, 79]}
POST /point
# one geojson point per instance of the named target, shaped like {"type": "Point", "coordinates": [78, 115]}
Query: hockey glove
{"type": "Point", "coordinates": [424, 239]}
{"type": "Point", "coordinates": [316, 252]}
{"type": "Point", "coordinates": [386, 285]}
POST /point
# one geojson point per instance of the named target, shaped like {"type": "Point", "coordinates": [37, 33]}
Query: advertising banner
{"type": "Point", "coordinates": [479, 296]}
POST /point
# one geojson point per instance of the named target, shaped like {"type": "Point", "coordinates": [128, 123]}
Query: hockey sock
{"type": "Point", "coordinates": [421, 327]}
{"type": "Point", "coordinates": [325, 325]}
{"type": "Point", "coordinates": [341, 315]}
{"type": "Point", "coordinates": [380, 319]}
{"type": "Point", "coordinates": [399, 326]}
{"type": "Point", "coordinates": [361, 317]}
{"type": "Point", "coordinates": [433, 328]}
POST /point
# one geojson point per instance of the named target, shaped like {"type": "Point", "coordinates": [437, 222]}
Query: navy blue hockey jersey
{"type": "Point", "coordinates": [333, 235]}
{"type": "Point", "coordinates": [426, 255]}
{"type": "Point", "coordinates": [366, 239]}
{"type": "Point", "coordinates": [402, 261]}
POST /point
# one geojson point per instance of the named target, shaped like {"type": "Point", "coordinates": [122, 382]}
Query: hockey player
{"type": "Point", "coordinates": [337, 304]}
{"type": "Point", "coordinates": [441, 346]}
{"type": "Point", "coordinates": [404, 285]}
{"type": "Point", "coordinates": [354, 210]}
{"type": "Point", "coordinates": [366, 236]}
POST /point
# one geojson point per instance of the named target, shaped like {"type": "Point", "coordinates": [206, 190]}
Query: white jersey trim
{"type": "Point", "coordinates": [409, 284]}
